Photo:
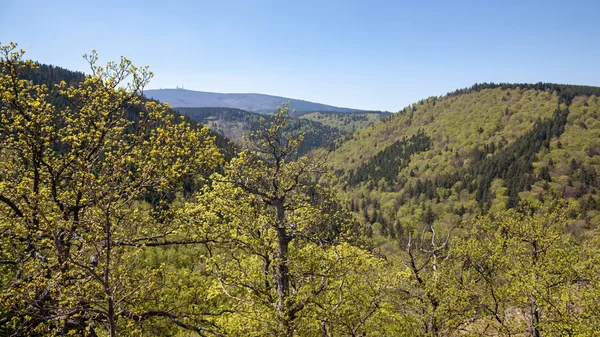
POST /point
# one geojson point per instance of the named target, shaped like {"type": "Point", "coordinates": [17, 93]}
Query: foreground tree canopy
{"type": "Point", "coordinates": [72, 185]}
{"type": "Point", "coordinates": [118, 218]}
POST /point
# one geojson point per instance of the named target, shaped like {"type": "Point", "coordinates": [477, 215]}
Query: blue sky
{"type": "Point", "coordinates": [379, 55]}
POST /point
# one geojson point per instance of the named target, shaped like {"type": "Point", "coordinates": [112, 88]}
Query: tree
{"type": "Point", "coordinates": [73, 223]}
{"type": "Point", "coordinates": [282, 243]}
{"type": "Point", "coordinates": [523, 274]}
{"type": "Point", "coordinates": [426, 260]}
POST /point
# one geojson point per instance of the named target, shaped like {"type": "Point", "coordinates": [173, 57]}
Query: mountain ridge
{"type": "Point", "coordinates": [253, 102]}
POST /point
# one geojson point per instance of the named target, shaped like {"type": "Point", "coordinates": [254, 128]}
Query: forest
{"type": "Point", "coordinates": [319, 129]}
{"type": "Point", "coordinates": [235, 123]}
{"type": "Point", "coordinates": [471, 214]}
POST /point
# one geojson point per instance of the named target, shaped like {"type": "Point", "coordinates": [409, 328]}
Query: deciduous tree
{"type": "Point", "coordinates": [286, 248]}
{"type": "Point", "coordinates": [72, 182]}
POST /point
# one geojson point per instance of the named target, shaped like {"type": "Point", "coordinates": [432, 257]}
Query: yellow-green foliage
{"type": "Point", "coordinates": [347, 122]}
{"type": "Point", "coordinates": [456, 126]}
{"type": "Point", "coordinates": [522, 270]}
{"type": "Point", "coordinates": [451, 122]}
{"type": "Point", "coordinates": [73, 222]}
{"type": "Point", "coordinates": [283, 253]}
{"type": "Point", "coordinates": [265, 248]}
{"type": "Point", "coordinates": [580, 143]}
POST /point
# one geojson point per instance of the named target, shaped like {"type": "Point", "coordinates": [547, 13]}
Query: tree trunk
{"type": "Point", "coordinates": [535, 313]}
{"type": "Point", "coordinates": [535, 319]}
{"type": "Point", "coordinates": [283, 279]}
{"type": "Point", "coordinates": [112, 325]}
{"type": "Point", "coordinates": [111, 317]}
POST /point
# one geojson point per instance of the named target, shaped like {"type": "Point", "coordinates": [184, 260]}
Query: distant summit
{"type": "Point", "coordinates": [182, 98]}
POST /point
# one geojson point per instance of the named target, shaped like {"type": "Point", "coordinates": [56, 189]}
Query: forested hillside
{"type": "Point", "coordinates": [479, 150]}
{"type": "Point", "coordinates": [347, 122]}
{"type": "Point", "coordinates": [234, 123]}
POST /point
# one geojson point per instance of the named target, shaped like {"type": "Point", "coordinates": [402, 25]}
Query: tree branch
{"type": "Point", "coordinates": [11, 205]}
{"type": "Point", "coordinates": [174, 318]}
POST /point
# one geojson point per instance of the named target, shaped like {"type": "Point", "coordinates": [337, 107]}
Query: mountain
{"type": "Point", "coordinates": [250, 102]}
{"type": "Point", "coordinates": [444, 160]}
{"type": "Point", "coordinates": [233, 123]}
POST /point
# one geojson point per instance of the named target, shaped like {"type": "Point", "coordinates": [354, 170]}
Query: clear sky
{"type": "Point", "coordinates": [379, 55]}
